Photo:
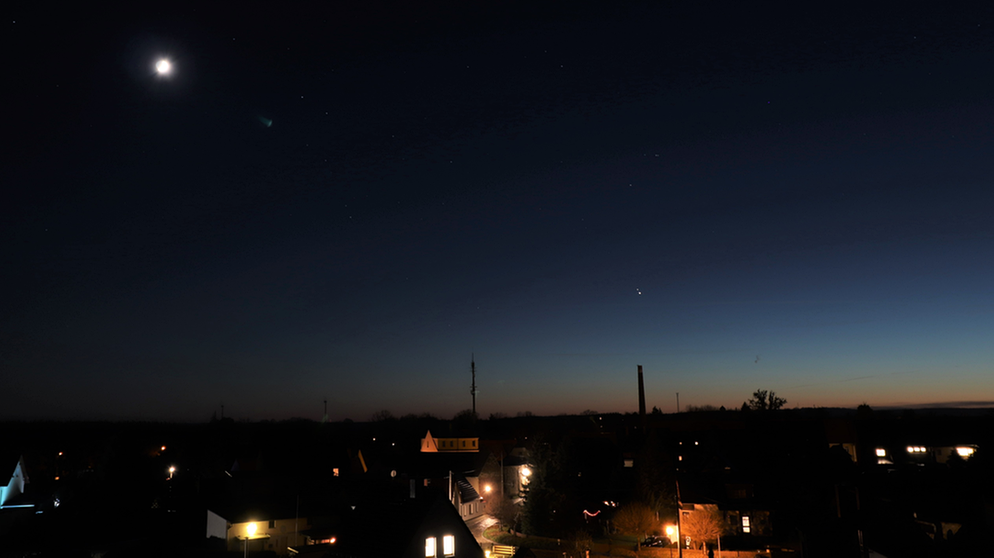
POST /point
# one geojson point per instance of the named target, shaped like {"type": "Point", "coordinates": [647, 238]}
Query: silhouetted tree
{"type": "Point", "coordinates": [380, 416]}
{"type": "Point", "coordinates": [700, 408]}
{"type": "Point", "coordinates": [464, 420]}
{"type": "Point", "coordinates": [543, 500]}
{"type": "Point", "coordinates": [864, 411]}
{"type": "Point", "coordinates": [763, 400]}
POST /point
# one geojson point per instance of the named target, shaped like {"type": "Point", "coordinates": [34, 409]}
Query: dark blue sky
{"type": "Point", "coordinates": [733, 198]}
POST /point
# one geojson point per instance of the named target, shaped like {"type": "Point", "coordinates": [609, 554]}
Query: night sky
{"type": "Point", "coordinates": [346, 200]}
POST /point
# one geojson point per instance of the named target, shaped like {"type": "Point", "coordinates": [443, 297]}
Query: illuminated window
{"type": "Point", "coordinates": [430, 547]}
{"type": "Point", "coordinates": [335, 471]}
{"type": "Point", "coordinates": [881, 452]}
{"type": "Point", "coordinates": [965, 451]}
{"type": "Point", "coordinates": [449, 545]}
{"type": "Point", "coordinates": [746, 527]}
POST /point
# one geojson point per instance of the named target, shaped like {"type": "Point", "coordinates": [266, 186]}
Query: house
{"type": "Point", "coordinates": [426, 526]}
{"type": "Point", "coordinates": [744, 516]}
{"type": "Point", "coordinates": [430, 444]}
{"type": "Point", "coordinates": [276, 535]}
{"type": "Point", "coordinates": [10, 495]}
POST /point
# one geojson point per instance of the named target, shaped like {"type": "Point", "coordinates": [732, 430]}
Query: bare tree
{"type": "Point", "coordinates": [635, 519]}
{"type": "Point", "coordinates": [578, 543]}
{"type": "Point", "coordinates": [381, 416]}
{"type": "Point", "coordinates": [703, 525]}
{"type": "Point", "coordinates": [763, 400]}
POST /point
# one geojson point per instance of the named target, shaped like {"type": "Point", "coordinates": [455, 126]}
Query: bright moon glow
{"type": "Point", "coordinates": [163, 67]}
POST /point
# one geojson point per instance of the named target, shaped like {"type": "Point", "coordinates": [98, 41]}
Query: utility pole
{"type": "Point", "coordinates": [679, 512]}
{"type": "Point", "coordinates": [641, 399]}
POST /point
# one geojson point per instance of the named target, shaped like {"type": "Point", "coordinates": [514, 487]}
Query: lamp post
{"type": "Point", "coordinates": [249, 533]}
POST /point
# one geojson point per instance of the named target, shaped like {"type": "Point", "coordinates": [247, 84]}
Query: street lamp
{"type": "Point", "coordinates": [672, 536]}
{"type": "Point", "coordinates": [249, 533]}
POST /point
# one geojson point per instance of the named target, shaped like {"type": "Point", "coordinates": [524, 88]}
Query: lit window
{"type": "Point", "coordinates": [449, 545]}
{"type": "Point", "coordinates": [965, 451]}
{"type": "Point", "coordinates": [746, 527]}
{"type": "Point", "coordinates": [881, 452]}
{"type": "Point", "coordinates": [430, 547]}
{"type": "Point", "coordinates": [335, 471]}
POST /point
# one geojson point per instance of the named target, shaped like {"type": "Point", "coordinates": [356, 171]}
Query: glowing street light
{"type": "Point", "coordinates": [249, 533]}
{"type": "Point", "coordinates": [172, 469]}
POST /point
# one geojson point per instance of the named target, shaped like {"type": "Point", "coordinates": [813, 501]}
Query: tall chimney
{"type": "Point", "coordinates": [472, 389]}
{"type": "Point", "coordinates": [641, 396]}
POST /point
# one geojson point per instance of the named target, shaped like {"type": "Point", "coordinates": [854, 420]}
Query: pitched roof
{"type": "Point", "coordinates": [362, 531]}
